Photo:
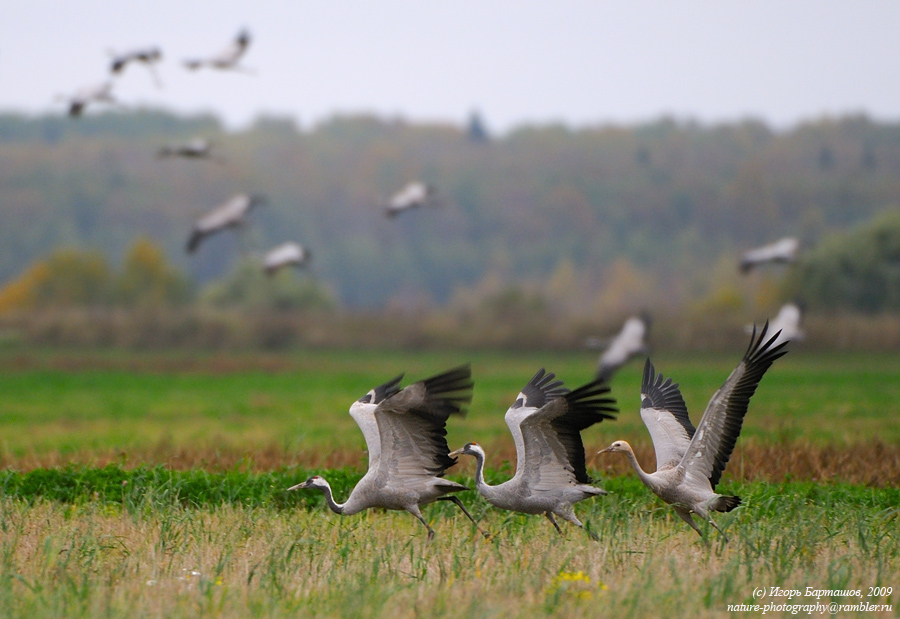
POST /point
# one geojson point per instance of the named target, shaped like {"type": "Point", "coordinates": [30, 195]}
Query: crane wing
{"type": "Point", "coordinates": [552, 447]}
{"type": "Point", "coordinates": [718, 430]}
{"type": "Point", "coordinates": [412, 425]}
{"type": "Point", "coordinates": [540, 390]}
{"type": "Point", "coordinates": [666, 416]}
{"type": "Point", "coordinates": [628, 342]}
{"type": "Point", "coordinates": [363, 413]}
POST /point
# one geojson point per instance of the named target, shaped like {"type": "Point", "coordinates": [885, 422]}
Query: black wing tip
{"type": "Point", "coordinates": [452, 389]}
{"type": "Point", "coordinates": [542, 388]}
{"type": "Point", "coordinates": [386, 390]}
{"type": "Point", "coordinates": [761, 349]}
{"type": "Point", "coordinates": [593, 399]}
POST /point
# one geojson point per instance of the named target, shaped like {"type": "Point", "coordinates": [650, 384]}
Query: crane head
{"type": "Point", "coordinates": [469, 449]}
{"type": "Point", "coordinates": [313, 482]}
{"type": "Point", "coordinates": [616, 446]}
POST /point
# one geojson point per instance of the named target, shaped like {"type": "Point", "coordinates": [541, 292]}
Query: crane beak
{"type": "Point", "coordinates": [603, 451]}
{"type": "Point", "coordinates": [453, 454]}
{"type": "Point", "coordinates": [300, 486]}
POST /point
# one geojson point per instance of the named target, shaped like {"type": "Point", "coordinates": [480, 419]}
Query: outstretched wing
{"type": "Point", "coordinates": [720, 426]}
{"type": "Point", "coordinates": [412, 424]}
{"type": "Point", "coordinates": [552, 447]}
{"type": "Point", "coordinates": [666, 417]}
{"type": "Point", "coordinates": [363, 413]}
{"type": "Point", "coordinates": [541, 389]}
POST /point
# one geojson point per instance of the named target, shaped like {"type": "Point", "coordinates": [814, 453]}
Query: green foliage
{"type": "Point", "coordinates": [858, 269]}
{"type": "Point", "coordinates": [249, 287]}
{"type": "Point", "coordinates": [147, 279]}
{"type": "Point", "coordinates": [76, 278]}
{"type": "Point", "coordinates": [670, 198]}
{"type": "Point", "coordinates": [194, 488]}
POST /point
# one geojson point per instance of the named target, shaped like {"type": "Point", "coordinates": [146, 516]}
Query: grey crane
{"type": "Point", "coordinates": [414, 195]}
{"type": "Point", "coordinates": [690, 462]}
{"type": "Point", "coordinates": [787, 322]}
{"type": "Point", "coordinates": [546, 421]}
{"type": "Point", "coordinates": [197, 148]}
{"type": "Point", "coordinates": [230, 214]}
{"type": "Point", "coordinates": [283, 255]}
{"type": "Point", "coordinates": [405, 431]}
{"type": "Point", "coordinates": [95, 93]}
{"type": "Point", "coordinates": [629, 342]}
{"type": "Point", "coordinates": [782, 251]}
{"type": "Point", "coordinates": [227, 58]}
{"type": "Point", "coordinates": [148, 56]}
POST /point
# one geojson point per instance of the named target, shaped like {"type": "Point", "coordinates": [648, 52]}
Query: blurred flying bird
{"type": "Point", "coordinates": [405, 434]}
{"type": "Point", "coordinates": [414, 195]}
{"type": "Point", "coordinates": [781, 251]}
{"type": "Point", "coordinates": [197, 148]}
{"type": "Point", "coordinates": [226, 59]}
{"type": "Point", "coordinates": [629, 342]}
{"type": "Point", "coordinates": [787, 323]}
{"type": "Point", "coordinates": [689, 462]}
{"type": "Point", "coordinates": [148, 56]}
{"type": "Point", "coordinates": [230, 214]}
{"type": "Point", "coordinates": [96, 93]}
{"type": "Point", "coordinates": [284, 255]}
{"type": "Point", "coordinates": [546, 421]}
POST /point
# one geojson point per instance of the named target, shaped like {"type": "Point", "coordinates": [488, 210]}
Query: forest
{"type": "Point", "coordinates": [576, 222]}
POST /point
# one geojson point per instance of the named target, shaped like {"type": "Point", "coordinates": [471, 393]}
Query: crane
{"type": "Point", "coordinates": [689, 461]}
{"type": "Point", "coordinates": [230, 214]}
{"type": "Point", "coordinates": [197, 148]}
{"type": "Point", "coordinates": [227, 58]}
{"type": "Point", "coordinates": [546, 421]}
{"type": "Point", "coordinates": [148, 56]}
{"type": "Point", "coordinates": [284, 255]}
{"type": "Point", "coordinates": [629, 342]}
{"type": "Point", "coordinates": [781, 251]}
{"type": "Point", "coordinates": [414, 195]}
{"type": "Point", "coordinates": [787, 321]}
{"type": "Point", "coordinates": [95, 93]}
{"type": "Point", "coordinates": [405, 432]}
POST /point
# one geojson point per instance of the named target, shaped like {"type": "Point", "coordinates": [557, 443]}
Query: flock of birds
{"type": "Point", "coordinates": [405, 433]}
{"type": "Point", "coordinates": [405, 429]}
{"type": "Point", "coordinates": [232, 214]}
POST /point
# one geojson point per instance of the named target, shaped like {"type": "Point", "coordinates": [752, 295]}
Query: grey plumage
{"type": "Point", "coordinates": [629, 342]}
{"type": "Point", "coordinates": [405, 431]}
{"type": "Point", "coordinates": [546, 421]}
{"type": "Point", "coordinates": [689, 461]}
{"type": "Point", "coordinates": [782, 251]}
{"type": "Point", "coordinates": [227, 58]}
{"type": "Point", "coordinates": [286, 254]}
{"type": "Point", "coordinates": [230, 214]}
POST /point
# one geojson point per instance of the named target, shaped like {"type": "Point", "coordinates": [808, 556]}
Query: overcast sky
{"type": "Point", "coordinates": [516, 61]}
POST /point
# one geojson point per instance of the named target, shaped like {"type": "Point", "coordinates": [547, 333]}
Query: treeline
{"type": "Point", "coordinates": [605, 219]}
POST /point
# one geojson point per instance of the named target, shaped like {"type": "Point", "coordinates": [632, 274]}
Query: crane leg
{"type": "Point", "coordinates": [571, 517]}
{"type": "Point", "coordinates": [716, 527]}
{"type": "Point", "coordinates": [688, 518]}
{"type": "Point", "coordinates": [553, 521]}
{"type": "Point", "coordinates": [456, 500]}
{"type": "Point", "coordinates": [414, 510]}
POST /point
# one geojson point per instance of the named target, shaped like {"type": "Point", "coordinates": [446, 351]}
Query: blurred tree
{"type": "Point", "coordinates": [858, 269]}
{"type": "Point", "coordinates": [147, 279]}
{"type": "Point", "coordinates": [66, 278]}
{"type": "Point", "coordinates": [249, 287]}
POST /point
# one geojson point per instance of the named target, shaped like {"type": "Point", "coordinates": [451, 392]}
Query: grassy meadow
{"type": "Point", "coordinates": [152, 484]}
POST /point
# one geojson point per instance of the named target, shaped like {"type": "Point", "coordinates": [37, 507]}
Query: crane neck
{"type": "Point", "coordinates": [482, 486]}
{"type": "Point", "coordinates": [645, 477]}
{"type": "Point", "coordinates": [337, 508]}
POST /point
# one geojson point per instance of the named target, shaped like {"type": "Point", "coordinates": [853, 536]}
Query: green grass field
{"type": "Point", "coordinates": [192, 517]}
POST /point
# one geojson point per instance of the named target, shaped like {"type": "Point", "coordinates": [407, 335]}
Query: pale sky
{"type": "Point", "coordinates": [516, 61]}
